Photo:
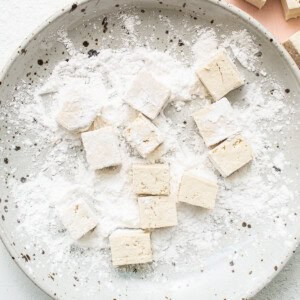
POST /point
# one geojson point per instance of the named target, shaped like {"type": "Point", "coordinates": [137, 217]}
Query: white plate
{"type": "Point", "coordinates": [240, 269]}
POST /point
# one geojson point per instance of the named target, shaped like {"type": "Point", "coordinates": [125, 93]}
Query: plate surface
{"type": "Point", "coordinates": [252, 262]}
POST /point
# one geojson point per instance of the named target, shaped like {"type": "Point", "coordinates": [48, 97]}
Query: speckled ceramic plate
{"type": "Point", "coordinates": [238, 271]}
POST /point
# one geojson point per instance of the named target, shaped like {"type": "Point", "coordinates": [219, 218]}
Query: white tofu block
{"type": "Point", "coordinates": [157, 212]}
{"type": "Point", "coordinates": [102, 148]}
{"type": "Point", "coordinates": [78, 218]}
{"type": "Point", "coordinates": [130, 247]}
{"type": "Point", "coordinates": [75, 117]}
{"type": "Point", "coordinates": [199, 191]}
{"type": "Point", "coordinates": [151, 179]}
{"type": "Point", "coordinates": [80, 104]}
{"type": "Point", "coordinates": [292, 45]}
{"type": "Point", "coordinates": [220, 75]}
{"type": "Point", "coordinates": [216, 122]}
{"type": "Point", "coordinates": [143, 135]}
{"type": "Point", "coordinates": [258, 3]}
{"type": "Point", "coordinates": [147, 95]}
{"type": "Point", "coordinates": [231, 155]}
{"type": "Point", "coordinates": [291, 8]}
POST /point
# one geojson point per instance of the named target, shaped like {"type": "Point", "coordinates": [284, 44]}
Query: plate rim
{"type": "Point", "coordinates": [68, 9]}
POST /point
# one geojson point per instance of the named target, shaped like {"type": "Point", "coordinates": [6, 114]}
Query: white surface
{"type": "Point", "coordinates": [17, 20]}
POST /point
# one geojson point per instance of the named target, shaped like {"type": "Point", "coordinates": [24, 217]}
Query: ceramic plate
{"type": "Point", "coordinates": [238, 270]}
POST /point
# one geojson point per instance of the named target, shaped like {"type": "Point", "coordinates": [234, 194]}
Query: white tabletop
{"type": "Point", "coordinates": [17, 20]}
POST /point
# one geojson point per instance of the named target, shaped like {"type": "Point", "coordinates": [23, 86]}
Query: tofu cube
{"type": "Point", "coordinates": [258, 3]}
{"type": "Point", "coordinates": [78, 218]}
{"type": "Point", "coordinates": [102, 148]}
{"type": "Point", "coordinates": [216, 122]}
{"type": "Point", "coordinates": [231, 155]}
{"type": "Point", "coordinates": [220, 75]}
{"type": "Point", "coordinates": [291, 8]}
{"type": "Point", "coordinates": [130, 247]}
{"type": "Point", "coordinates": [151, 179]}
{"type": "Point", "coordinates": [292, 45]}
{"type": "Point", "coordinates": [198, 191]}
{"type": "Point", "coordinates": [75, 117]}
{"type": "Point", "coordinates": [147, 95]}
{"type": "Point", "coordinates": [157, 212]}
{"type": "Point", "coordinates": [79, 107]}
{"type": "Point", "coordinates": [143, 135]}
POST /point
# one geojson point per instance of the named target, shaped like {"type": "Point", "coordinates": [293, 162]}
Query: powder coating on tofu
{"type": "Point", "coordinates": [130, 247]}
{"type": "Point", "coordinates": [147, 95]}
{"type": "Point", "coordinates": [80, 106]}
{"type": "Point", "coordinates": [216, 122]}
{"type": "Point", "coordinates": [143, 135]}
{"type": "Point", "coordinates": [151, 179]}
{"type": "Point", "coordinates": [78, 218]}
{"type": "Point", "coordinates": [74, 117]}
{"type": "Point", "coordinates": [292, 45]}
{"type": "Point", "coordinates": [231, 155]}
{"type": "Point", "coordinates": [157, 212]}
{"type": "Point", "coordinates": [220, 75]}
{"type": "Point", "coordinates": [102, 148]}
{"type": "Point", "coordinates": [196, 190]}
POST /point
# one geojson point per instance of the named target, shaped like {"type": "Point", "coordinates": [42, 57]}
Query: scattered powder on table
{"type": "Point", "coordinates": [246, 195]}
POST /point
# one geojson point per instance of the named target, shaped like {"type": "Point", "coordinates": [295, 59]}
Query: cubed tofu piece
{"type": "Point", "coordinates": [147, 95]}
{"type": "Point", "coordinates": [78, 218]}
{"type": "Point", "coordinates": [79, 106]}
{"type": "Point", "coordinates": [292, 45]}
{"type": "Point", "coordinates": [157, 212]}
{"type": "Point", "coordinates": [198, 191]}
{"type": "Point", "coordinates": [231, 155]}
{"type": "Point", "coordinates": [291, 8]}
{"type": "Point", "coordinates": [216, 122]}
{"type": "Point", "coordinates": [151, 179]}
{"type": "Point", "coordinates": [258, 3]}
{"type": "Point", "coordinates": [130, 247]}
{"type": "Point", "coordinates": [102, 148]}
{"type": "Point", "coordinates": [75, 116]}
{"type": "Point", "coordinates": [143, 135]}
{"type": "Point", "coordinates": [220, 75]}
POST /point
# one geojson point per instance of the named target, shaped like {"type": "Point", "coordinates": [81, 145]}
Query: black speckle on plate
{"type": "Point", "coordinates": [92, 52]}
{"type": "Point", "coordinates": [180, 43]}
{"type": "Point", "coordinates": [85, 43]}
{"type": "Point", "coordinates": [73, 7]}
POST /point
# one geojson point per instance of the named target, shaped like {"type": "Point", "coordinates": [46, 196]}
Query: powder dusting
{"type": "Point", "coordinates": [63, 170]}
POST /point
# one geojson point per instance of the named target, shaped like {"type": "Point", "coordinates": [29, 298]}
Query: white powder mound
{"type": "Point", "coordinates": [243, 47]}
{"type": "Point", "coordinates": [205, 46]}
{"type": "Point", "coordinates": [245, 195]}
